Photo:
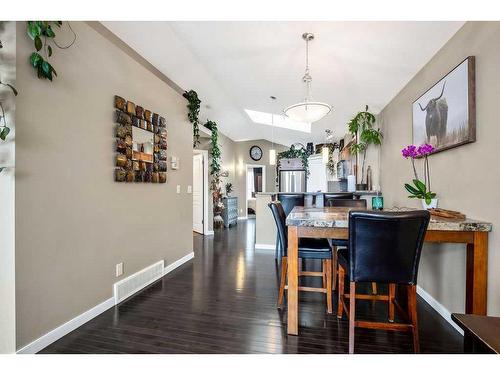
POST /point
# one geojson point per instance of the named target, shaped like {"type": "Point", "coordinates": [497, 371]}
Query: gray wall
{"type": "Point", "coordinates": [73, 222]}
{"type": "Point", "coordinates": [466, 178]}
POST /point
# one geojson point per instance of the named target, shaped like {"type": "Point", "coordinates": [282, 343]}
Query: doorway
{"type": "Point", "coordinates": [200, 191]}
{"type": "Point", "coordinates": [255, 182]}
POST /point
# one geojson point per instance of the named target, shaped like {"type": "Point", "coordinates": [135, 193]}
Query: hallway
{"type": "Point", "coordinates": [224, 301]}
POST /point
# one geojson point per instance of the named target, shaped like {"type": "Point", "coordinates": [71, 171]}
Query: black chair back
{"type": "Point", "coordinates": [280, 220]}
{"type": "Point", "coordinates": [358, 203]}
{"type": "Point", "coordinates": [327, 196]}
{"type": "Point", "coordinates": [385, 246]}
{"type": "Point", "coordinates": [289, 201]}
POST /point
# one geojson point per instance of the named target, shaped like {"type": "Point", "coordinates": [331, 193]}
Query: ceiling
{"type": "Point", "coordinates": [238, 65]}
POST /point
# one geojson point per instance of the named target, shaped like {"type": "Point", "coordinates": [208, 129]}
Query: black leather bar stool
{"type": "Point", "coordinates": [384, 247]}
{"type": "Point", "coordinates": [339, 195]}
{"type": "Point", "coordinates": [288, 201]}
{"type": "Point", "coordinates": [341, 202]}
{"type": "Point", "coordinates": [309, 248]}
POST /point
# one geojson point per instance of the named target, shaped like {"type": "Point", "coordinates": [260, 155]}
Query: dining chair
{"type": "Point", "coordinates": [309, 248]}
{"type": "Point", "coordinates": [337, 242]}
{"type": "Point", "coordinates": [339, 195]}
{"type": "Point", "coordinates": [384, 247]}
{"type": "Point", "coordinates": [288, 201]}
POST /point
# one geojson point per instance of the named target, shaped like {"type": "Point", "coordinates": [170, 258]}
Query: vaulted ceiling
{"type": "Point", "coordinates": [238, 65]}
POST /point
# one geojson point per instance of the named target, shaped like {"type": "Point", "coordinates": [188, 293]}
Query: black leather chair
{"type": "Point", "coordinates": [336, 242]}
{"type": "Point", "coordinates": [384, 247]}
{"type": "Point", "coordinates": [339, 195]}
{"type": "Point", "coordinates": [288, 201]}
{"type": "Point", "coordinates": [309, 248]}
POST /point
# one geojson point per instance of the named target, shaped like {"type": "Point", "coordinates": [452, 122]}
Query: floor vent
{"type": "Point", "coordinates": [133, 283]}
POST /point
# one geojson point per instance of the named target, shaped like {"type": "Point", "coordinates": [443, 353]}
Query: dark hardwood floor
{"type": "Point", "coordinates": [224, 301]}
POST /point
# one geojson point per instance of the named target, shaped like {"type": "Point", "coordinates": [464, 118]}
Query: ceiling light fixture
{"type": "Point", "coordinates": [308, 110]}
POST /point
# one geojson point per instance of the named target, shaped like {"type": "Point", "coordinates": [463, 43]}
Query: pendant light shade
{"type": "Point", "coordinates": [308, 111]}
{"type": "Point", "coordinates": [272, 157]}
{"type": "Point", "coordinates": [325, 153]}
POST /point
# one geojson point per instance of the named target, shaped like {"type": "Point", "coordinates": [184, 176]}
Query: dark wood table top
{"type": "Point", "coordinates": [486, 329]}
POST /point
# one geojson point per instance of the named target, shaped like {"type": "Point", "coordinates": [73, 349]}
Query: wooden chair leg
{"type": "Point", "coordinates": [284, 269]}
{"type": "Point", "coordinates": [412, 314]}
{"type": "Point", "coordinates": [341, 275]}
{"type": "Point", "coordinates": [323, 270]}
{"type": "Point", "coordinates": [352, 315]}
{"type": "Point", "coordinates": [334, 268]}
{"type": "Point", "coordinates": [392, 295]}
{"type": "Point", "coordinates": [374, 288]}
{"type": "Point", "coordinates": [329, 305]}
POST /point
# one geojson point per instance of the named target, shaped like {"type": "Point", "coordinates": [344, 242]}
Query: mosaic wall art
{"type": "Point", "coordinates": [141, 144]}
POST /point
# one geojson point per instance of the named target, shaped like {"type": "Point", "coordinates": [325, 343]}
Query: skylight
{"type": "Point", "coordinates": [280, 121]}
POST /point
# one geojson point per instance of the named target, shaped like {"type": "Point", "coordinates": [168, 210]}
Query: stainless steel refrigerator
{"type": "Point", "coordinates": [292, 181]}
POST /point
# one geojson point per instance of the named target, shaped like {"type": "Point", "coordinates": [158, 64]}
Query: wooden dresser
{"type": "Point", "coordinates": [230, 212]}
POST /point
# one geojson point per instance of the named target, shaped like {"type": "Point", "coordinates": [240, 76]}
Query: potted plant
{"type": "Point", "coordinates": [364, 135]}
{"type": "Point", "coordinates": [419, 189]}
{"type": "Point", "coordinates": [229, 189]}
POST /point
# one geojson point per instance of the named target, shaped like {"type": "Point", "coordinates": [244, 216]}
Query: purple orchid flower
{"type": "Point", "coordinates": [425, 149]}
{"type": "Point", "coordinates": [410, 151]}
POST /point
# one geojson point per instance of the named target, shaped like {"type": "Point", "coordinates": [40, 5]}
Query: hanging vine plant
{"type": "Point", "coordinates": [193, 113]}
{"type": "Point", "coordinates": [214, 149]}
{"type": "Point", "coordinates": [295, 153]}
{"type": "Point", "coordinates": [42, 33]}
{"type": "Point", "coordinates": [4, 129]}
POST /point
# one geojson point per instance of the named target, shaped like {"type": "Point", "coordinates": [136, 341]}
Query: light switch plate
{"type": "Point", "coordinates": [119, 269]}
{"type": "Point", "coordinates": [189, 189]}
{"type": "Point", "coordinates": [178, 189]}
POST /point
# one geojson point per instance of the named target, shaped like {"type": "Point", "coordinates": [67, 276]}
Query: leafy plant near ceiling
{"type": "Point", "coordinates": [42, 33]}
{"type": "Point", "coordinates": [295, 153]}
{"type": "Point", "coordinates": [215, 172]}
{"type": "Point", "coordinates": [331, 164]}
{"type": "Point", "coordinates": [364, 134]}
{"type": "Point", "coordinates": [193, 113]}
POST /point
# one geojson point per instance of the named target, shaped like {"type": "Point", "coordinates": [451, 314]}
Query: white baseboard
{"type": "Point", "coordinates": [265, 246]}
{"type": "Point", "coordinates": [178, 263]}
{"type": "Point", "coordinates": [440, 309]}
{"type": "Point", "coordinates": [54, 335]}
{"type": "Point", "coordinates": [209, 233]}
{"type": "Point", "coordinates": [242, 217]}
{"type": "Point", "coordinates": [66, 328]}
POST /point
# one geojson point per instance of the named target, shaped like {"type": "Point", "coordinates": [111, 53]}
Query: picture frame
{"type": "Point", "coordinates": [445, 115]}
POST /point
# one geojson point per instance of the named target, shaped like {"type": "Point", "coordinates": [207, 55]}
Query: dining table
{"type": "Point", "coordinates": [332, 222]}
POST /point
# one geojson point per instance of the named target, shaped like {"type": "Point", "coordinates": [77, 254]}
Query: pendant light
{"type": "Point", "coordinates": [307, 111]}
{"type": "Point", "coordinates": [272, 151]}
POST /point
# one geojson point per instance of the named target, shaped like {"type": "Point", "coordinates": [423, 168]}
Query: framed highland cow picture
{"type": "Point", "coordinates": [445, 115]}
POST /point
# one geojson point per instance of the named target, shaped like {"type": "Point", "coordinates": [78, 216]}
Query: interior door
{"type": "Point", "coordinates": [198, 193]}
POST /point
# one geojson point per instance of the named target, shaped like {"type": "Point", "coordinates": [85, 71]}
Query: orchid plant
{"type": "Point", "coordinates": [419, 189]}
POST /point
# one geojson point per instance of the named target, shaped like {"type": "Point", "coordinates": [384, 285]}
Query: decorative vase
{"type": "Point", "coordinates": [433, 204]}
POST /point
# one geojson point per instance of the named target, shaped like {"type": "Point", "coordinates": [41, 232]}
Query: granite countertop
{"type": "Point", "coordinates": [337, 217]}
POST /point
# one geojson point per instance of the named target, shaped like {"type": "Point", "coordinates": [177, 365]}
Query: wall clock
{"type": "Point", "coordinates": [256, 153]}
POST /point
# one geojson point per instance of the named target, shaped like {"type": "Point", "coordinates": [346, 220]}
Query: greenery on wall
{"type": "Point", "coordinates": [42, 33]}
{"type": "Point", "coordinates": [364, 135]}
{"type": "Point", "coordinates": [295, 153]}
{"type": "Point", "coordinates": [193, 113]}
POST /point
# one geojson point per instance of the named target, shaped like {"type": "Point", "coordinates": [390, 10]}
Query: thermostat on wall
{"type": "Point", "coordinates": [174, 162]}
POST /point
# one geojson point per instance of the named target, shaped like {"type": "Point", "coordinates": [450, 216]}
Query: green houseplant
{"type": "Point", "coordinates": [364, 134]}
{"type": "Point", "coordinates": [42, 33]}
{"type": "Point", "coordinates": [193, 114]}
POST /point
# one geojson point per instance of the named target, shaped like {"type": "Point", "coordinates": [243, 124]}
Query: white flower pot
{"type": "Point", "coordinates": [433, 204]}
